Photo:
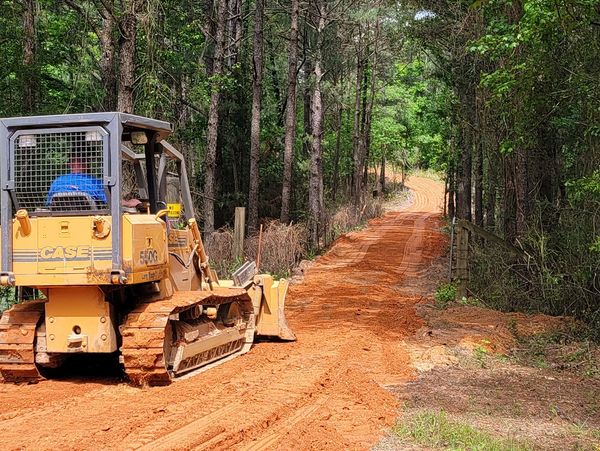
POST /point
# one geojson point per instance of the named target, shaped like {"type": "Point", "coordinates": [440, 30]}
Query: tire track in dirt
{"type": "Point", "coordinates": [351, 314]}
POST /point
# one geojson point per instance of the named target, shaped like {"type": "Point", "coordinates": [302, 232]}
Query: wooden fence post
{"type": "Point", "coordinates": [462, 261]}
{"type": "Point", "coordinates": [238, 232]}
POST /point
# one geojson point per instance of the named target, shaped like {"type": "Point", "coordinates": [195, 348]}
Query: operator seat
{"type": "Point", "coordinates": [72, 201]}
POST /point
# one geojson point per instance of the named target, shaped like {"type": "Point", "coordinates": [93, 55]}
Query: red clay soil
{"type": "Point", "coordinates": [325, 391]}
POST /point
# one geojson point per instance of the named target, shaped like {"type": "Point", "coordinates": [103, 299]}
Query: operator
{"type": "Point", "coordinates": [79, 180]}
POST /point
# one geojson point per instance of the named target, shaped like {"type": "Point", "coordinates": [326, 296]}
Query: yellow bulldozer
{"type": "Point", "coordinates": [100, 243]}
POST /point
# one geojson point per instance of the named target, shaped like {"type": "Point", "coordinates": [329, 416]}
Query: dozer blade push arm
{"type": "Point", "coordinates": [268, 295]}
{"type": "Point", "coordinates": [208, 274]}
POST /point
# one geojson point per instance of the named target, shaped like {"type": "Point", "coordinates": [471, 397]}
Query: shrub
{"type": "Point", "coordinates": [445, 294]}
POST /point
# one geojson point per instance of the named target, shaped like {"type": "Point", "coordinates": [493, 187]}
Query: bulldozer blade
{"type": "Point", "coordinates": [271, 319]}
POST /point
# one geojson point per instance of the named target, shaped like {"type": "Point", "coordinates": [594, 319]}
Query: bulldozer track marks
{"type": "Point", "coordinates": [179, 436]}
{"type": "Point", "coordinates": [325, 391]}
{"type": "Point", "coordinates": [17, 341]}
{"type": "Point", "coordinates": [207, 420]}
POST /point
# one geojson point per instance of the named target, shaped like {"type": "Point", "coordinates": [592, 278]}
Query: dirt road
{"type": "Point", "coordinates": [326, 391]}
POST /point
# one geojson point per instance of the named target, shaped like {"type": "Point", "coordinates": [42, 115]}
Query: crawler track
{"type": "Point", "coordinates": [17, 342]}
{"type": "Point", "coordinates": [147, 334]}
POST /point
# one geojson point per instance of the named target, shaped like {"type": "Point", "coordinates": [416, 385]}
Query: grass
{"type": "Point", "coordinates": [428, 173]}
{"type": "Point", "coordinates": [434, 429]}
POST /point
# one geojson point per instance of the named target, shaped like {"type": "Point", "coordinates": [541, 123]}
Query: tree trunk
{"type": "Point", "coordinates": [356, 134]}
{"type": "Point", "coordinates": [478, 136]}
{"type": "Point", "coordinates": [128, 26]}
{"type": "Point", "coordinates": [490, 209]}
{"type": "Point", "coordinates": [257, 71]}
{"type": "Point", "coordinates": [451, 191]}
{"type": "Point", "coordinates": [107, 60]}
{"type": "Point", "coordinates": [478, 184]}
{"type": "Point", "coordinates": [509, 199]}
{"type": "Point", "coordinates": [336, 158]}
{"type": "Point", "coordinates": [308, 69]}
{"type": "Point", "coordinates": [463, 194]}
{"type": "Point", "coordinates": [29, 56]}
{"type": "Point", "coordinates": [315, 190]}
{"type": "Point", "coordinates": [451, 175]}
{"type": "Point", "coordinates": [521, 191]}
{"type": "Point", "coordinates": [213, 121]}
{"type": "Point", "coordinates": [369, 99]}
{"type": "Point", "coordinates": [362, 141]}
{"type": "Point", "coordinates": [234, 31]}
{"type": "Point", "coordinates": [382, 174]}
{"type": "Point", "coordinates": [290, 114]}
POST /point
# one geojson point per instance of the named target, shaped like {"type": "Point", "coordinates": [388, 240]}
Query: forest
{"type": "Point", "coordinates": [297, 109]}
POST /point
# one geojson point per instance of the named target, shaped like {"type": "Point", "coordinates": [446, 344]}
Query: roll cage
{"type": "Point", "coordinates": [151, 166]}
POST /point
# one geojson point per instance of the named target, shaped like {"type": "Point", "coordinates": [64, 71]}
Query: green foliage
{"type": "Point", "coordinates": [524, 79]}
{"type": "Point", "coordinates": [7, 298]}
{"type": "Point", "coordinates": [585, 188]}
{"type": "Point", "coordinates": [410, 124]}
{"type": "Point", "coordinates": [445, 294]}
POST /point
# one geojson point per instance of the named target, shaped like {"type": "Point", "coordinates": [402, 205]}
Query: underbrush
{"type": "Point", "coordinates": [284, 246]}
{"type": "Point", "coordinates": [345, 218]}
{"type": "Point", "coordinates": [559, 274]}
{"type": "Point", "coordinates": [434, 429]}
{"type": "Point", "coordinates": [560, 350]}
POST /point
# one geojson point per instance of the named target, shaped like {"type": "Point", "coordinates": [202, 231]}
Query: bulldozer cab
{"type": "Point", "coordinates": [63, 175]}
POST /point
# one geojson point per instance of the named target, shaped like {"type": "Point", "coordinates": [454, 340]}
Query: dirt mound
{"type": "Point", "coordinates": [470, 327]}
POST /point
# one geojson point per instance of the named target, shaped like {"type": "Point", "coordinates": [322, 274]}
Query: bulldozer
{"type": "Point", "coordinates": [100, 245]}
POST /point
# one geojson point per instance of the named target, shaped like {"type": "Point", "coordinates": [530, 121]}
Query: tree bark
{"type": "Point", "coordinates": [336, 158]}
{"type": "Point", "coordinates": [213, 121]}
{"type": "Point", "coordinates": [509, 199]}
{"type": "Point", "coordinates": [521, 191]}
{"type": "Point", "coordinates": [30, 79]}
{"type": "Point", "coordinates": [490, 209]}
{"type": "Point", "coordinates": [464, 175]}
{"type": "Point", "coordinates": [478, 136]}
{"type": "Point", "coordinates": [290, 114]}
{"type": "Point", "coordinates": [234, 31]}
{"type": "Point", "coordinates": [128, 27]}
{"type": "Point", "coordinates": [371, 80]}
{"type": "Point", "coordinates": [356, 134]}
{"type": "Point", "coordinates": [452, 182]}
{"type": "Point", "coordinates": [315, 191]}
{"type": "Point", "coordinates": [362, 142]}
{"type": "Point", "coordinates": [257, 71]}
{"type": "Point", "coordinates": [308, 70]}
{"type": "Point", "coordinates": [382, 174]}
{"type": "Point", "coordinates": [107, 59]}
{"type": "Point", "coordinates": [479, 184]}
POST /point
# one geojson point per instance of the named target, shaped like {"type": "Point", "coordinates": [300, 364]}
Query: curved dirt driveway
{"type": "Point", "coordinates": [323, 392]}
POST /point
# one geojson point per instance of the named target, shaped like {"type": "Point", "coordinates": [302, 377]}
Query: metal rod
{"type": "Point", "coordinates": [258, 254]}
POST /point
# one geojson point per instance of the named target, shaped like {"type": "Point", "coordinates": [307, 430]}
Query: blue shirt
{"type": "Point", "coordinates": [78, 183]}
